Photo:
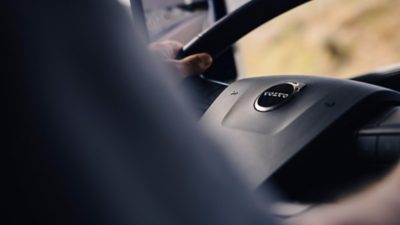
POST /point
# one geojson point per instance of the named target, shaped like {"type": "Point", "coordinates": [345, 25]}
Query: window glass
{"type": "Point", "coordinates": [340, 38]}
{"type": "Point", "coordinates": [166, 19]}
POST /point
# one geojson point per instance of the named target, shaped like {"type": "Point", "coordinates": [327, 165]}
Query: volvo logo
{"type": "Point", "coordinates": [277, 95]}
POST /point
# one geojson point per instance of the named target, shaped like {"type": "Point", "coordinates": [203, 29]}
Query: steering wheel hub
{"type": "Point", "coordinates": [277, 95]}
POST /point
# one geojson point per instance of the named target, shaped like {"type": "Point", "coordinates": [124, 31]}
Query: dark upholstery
{"type": "Point", "coordinates": [95, 132]}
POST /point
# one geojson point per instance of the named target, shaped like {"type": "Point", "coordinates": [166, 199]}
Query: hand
{"type": "Point", "coordinates": [191, 65]}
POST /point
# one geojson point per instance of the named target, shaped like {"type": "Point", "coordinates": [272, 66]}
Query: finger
{"type": "Point", "coordinates": [194, 64]}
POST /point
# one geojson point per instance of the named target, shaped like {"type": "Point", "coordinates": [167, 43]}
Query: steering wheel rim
{"type": "Point", "coordinates": [237, 24]}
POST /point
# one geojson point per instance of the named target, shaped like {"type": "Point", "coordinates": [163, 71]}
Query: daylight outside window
{"type": "Point", "coordinates": [341, 38]}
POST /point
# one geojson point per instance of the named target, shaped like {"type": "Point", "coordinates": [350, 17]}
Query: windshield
{"type": "Point", "coordinates": [340, 38]}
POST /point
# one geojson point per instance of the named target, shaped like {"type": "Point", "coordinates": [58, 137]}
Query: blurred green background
{"type": "Point", "coordinates": [341, 38]}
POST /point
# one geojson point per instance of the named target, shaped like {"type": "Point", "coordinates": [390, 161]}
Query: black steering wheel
{"type": "Point", "coordinates": [311, 136]}
{"type": "Point", "coordinates": [232, 27]}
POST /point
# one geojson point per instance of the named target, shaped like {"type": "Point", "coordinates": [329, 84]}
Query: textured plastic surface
{"type": "Point", "coordinates": [380, 142]}
{"type": "Point", "coordinates": [264, 141]}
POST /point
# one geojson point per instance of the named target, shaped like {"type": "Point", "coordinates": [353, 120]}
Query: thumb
{"type": "Point", "coordinates": [194, 64]}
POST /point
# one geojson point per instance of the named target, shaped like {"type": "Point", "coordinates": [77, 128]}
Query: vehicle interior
{"type": "Point", "coordinates": [357, 141]}
{"type": "Point", "coordinates": [312, 138]}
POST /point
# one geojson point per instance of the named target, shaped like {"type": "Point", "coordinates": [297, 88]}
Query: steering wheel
{"type": "Point", "coordinates": [311, 136]}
